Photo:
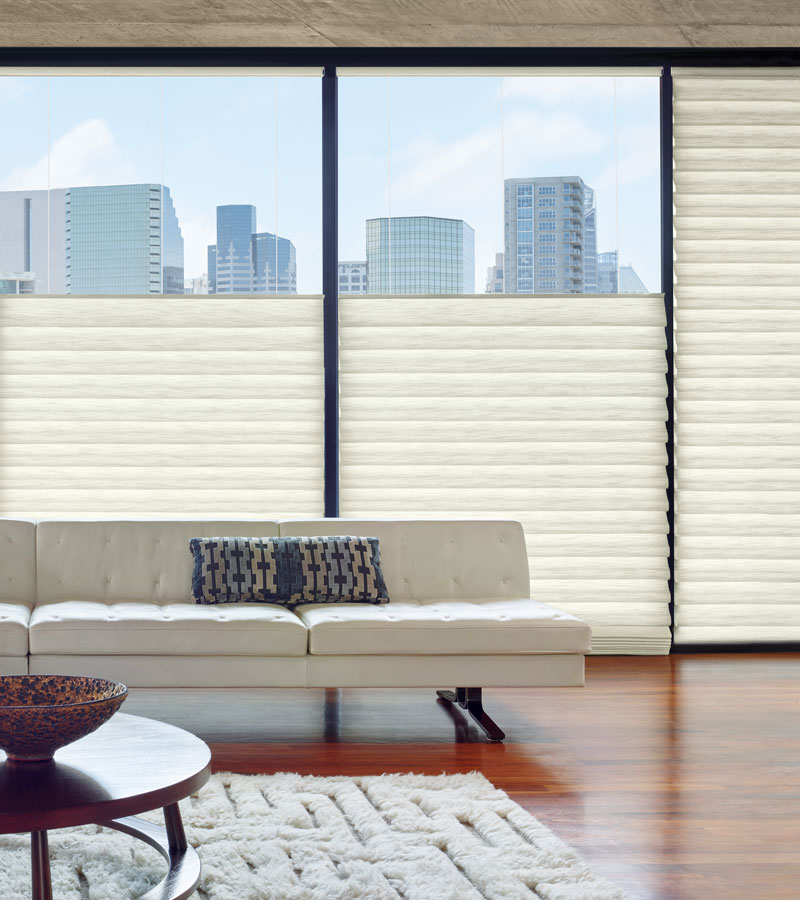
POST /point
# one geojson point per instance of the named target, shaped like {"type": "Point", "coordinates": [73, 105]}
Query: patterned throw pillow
{"type": "Point", "coordinates": [287, 570]}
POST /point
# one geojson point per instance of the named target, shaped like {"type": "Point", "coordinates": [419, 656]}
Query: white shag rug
{"type": "Point", "coordinates": [293, 837]}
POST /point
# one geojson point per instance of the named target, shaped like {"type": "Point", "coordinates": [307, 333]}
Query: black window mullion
{"type": "Point", "coordinates": [330, 285]}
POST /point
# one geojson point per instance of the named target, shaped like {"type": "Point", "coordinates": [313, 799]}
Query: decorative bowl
{"type": "Point", "coordinates": [40, 713]}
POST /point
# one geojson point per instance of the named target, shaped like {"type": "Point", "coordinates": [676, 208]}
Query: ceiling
{"type": "Point", "coordinates": [400, 23]}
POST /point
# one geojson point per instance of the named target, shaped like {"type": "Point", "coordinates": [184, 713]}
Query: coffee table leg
{"type": "Point", "coordinates": [175, 833]}
{"type": "Point", "coordinates": [40, 866]}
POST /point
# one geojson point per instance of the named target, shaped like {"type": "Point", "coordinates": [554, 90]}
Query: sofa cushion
{"type": "Point", "coordinates": [447, 559]}
{"type": "Point", "coordinates": [116, 559]}
{"type": "Point", "coordinates": [448, 626]}
{"type": "Point", "coordinates": [287, 570]}
{"type": "Point", "coordinates": [14, 629]}
{"type": "Point", "coordinates": [18, 561]}
{"type": "Point", "coordinates": [180, 629]}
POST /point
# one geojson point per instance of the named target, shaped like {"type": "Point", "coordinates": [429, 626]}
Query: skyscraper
{"type": "Point", "coordinates": [589, 243]}
{"type": "Point", "coordinates": [246, 262]}
{"type": "Point", "coordinates": [353, 277]}
{"type": "Point", "coordinates": [494, 276]}
{"type": "Point", "coordinates": [274, 264]}
{"type": "Point", "coordinates": [233, 252]}
{"type": "Point", "coordinates": [122, 239]}
{"type": "Point", "coordinates": [607, 273]}
{"type": "Point", "coordinates": [546, 225]}
{"type": "Point", "coordinates": [420, 255]}
{"type": "Point", "coordinates": [32, 241]}
{"type": "Point", "coordinates": [615, 279]}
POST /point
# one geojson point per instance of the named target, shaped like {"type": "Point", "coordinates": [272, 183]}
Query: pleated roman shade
{"type": "Point", "coordinates": [547, 409]}
{"type": "Point", "coordinates": [737, 300]}
{"type": "Point", "coordinates": [153, 406]}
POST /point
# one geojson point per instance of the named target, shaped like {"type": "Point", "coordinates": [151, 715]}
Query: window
{"type": "Point", "coordinates": [126, 162]}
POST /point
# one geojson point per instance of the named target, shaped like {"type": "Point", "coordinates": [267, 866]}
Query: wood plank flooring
{"type": "Point", "coordinates": [676, 777]}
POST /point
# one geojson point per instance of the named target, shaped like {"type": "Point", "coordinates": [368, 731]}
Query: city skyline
{"type": "Point", "coordinates": [425, 139]}
{"type": "Point", "coordinates": [251, 259]}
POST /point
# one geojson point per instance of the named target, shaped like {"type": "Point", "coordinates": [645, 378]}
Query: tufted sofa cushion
{"type": "Point", "coordinates": [71, 627]}
{"type": "Point", "coordinates": [455, 627]}
{"type": "Point", "coordinates": [17, 561]}
{"type": "Point", "coordinates": [17, 584]}
{"type": "Point", "coordinates": [115, 560]}
{"type": "Point", "coordinates": [438, 560]}
{"type": "Point", "coordinates": [455, 587]}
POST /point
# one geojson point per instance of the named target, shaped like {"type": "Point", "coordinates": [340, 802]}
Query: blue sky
{"type": "Point", "coordinates": [412, 146]}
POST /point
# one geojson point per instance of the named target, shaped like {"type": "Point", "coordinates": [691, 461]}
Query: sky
{"type": "Point", "coordinates": [407, 146]}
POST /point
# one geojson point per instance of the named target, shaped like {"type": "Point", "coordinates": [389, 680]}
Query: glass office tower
{"type": "Point", "coordinates": [274, 264]}
{"type": "Point", "coordinates": [122, 239]}
{"type": "Point", "coordinates": [420, 255]}
{"type": "Point", "coordinates": [246, 262]}
{"type": "Point", "coordinates": [233, 262]}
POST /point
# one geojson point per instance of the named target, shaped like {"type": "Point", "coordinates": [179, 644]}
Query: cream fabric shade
{"type": "Point", "coordinates": [547, 409]}
{"type": "Point", "coordinates": [177, 406]}
{"type": "Point", "coordinates": [737, 301]}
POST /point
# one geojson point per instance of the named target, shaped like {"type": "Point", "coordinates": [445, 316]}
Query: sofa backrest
{"type": "Point", "coordinates": [110, 560]}
{"type": "Point", "coordinates": [17, 561]}
{"type": "Point", "coordinates": [438, 559]}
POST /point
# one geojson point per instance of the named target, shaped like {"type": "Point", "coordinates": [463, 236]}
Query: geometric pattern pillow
{"type": "Point", "coordinates": [287, 570]}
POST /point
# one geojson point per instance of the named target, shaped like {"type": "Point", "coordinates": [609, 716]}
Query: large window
{"type": "Point", "coordinates": [438, 182]}
{"type": "Point", "coordinates": [125, 201]}
{"type": "Point", "coordinates": [466, 387]}
{"type": "Point", "coordinates": [131, 184]}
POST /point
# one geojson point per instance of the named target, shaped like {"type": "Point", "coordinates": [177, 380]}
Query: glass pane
{"type": "Point", "coordinates": [508, 185]}
{"type": "Point", "coordinates": [136, 185]}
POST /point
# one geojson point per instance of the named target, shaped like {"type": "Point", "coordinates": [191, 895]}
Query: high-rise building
{"type": "Point", "coordinates": [244, 261]}
{"type": "Point", "coordinates": [607, 272]}
{"type": "Point", "coordinates": [615, 279]}
{"type": "Point", "coordinates": [420, 255]}
{"type": "Point", "coordinates": [275, 264]}
{"type": "Point", "coordinates": [353, 277]}
{"type": "Point", "coordinates": [545, 234]}
{"type": "Point", "coordinates": [494, 276]}
{"type": "Point", "coordinates": [590, 243]}
{"type": "Point", "coordinates": [122, 239]}
{"type": "Point", "coordinates": [32, 241]}
{"type": "Point", "coordinates": [233, 253]}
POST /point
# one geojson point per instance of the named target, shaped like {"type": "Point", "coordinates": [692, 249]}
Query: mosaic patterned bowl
{"type": "Point", "coordinates": [40, 713]}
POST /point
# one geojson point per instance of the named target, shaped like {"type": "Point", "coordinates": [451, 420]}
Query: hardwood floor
{"type": "Point", "coordinates": [676, 777]}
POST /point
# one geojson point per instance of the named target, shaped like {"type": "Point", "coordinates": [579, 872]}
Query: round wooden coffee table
{"type": "Point", "coordinates": [128, 766]}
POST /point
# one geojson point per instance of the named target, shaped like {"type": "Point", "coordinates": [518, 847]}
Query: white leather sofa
{"type": "Point", "coordinates": [112, 598]}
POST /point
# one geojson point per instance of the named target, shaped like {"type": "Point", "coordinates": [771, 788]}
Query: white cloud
{"type": "Point", "coordinates": [530, 138]}
{"type": "Point", "coordinates": [86, 155]}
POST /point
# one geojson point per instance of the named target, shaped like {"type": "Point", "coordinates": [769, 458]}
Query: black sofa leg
{"type": "Point", "coordinates": [471, 699]}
